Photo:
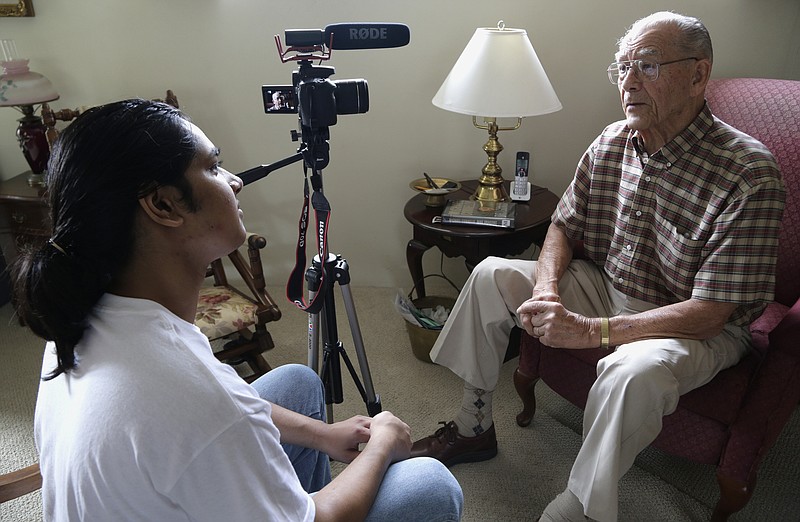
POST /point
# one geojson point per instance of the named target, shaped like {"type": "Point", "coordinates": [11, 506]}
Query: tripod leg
{"type": "Point", "coordinates": [313, 342]}
{"type": "Point", "coordinates": [331, 347]}
{"type": "Point", "coordinates": [372, 400]}
{"type": "Point", "coordinates": [332, 374]}
{"type": "Point", "coordinates": [313, 277]}
{"type": "Point", "coordinates": [324, 323]}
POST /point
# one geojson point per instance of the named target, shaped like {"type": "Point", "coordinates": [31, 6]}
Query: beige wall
{"type": "Point", "coordinates": [215, 54]}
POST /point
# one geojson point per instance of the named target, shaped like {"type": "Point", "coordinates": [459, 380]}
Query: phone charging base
{"type": "Point", "coordinates": [525, 196]}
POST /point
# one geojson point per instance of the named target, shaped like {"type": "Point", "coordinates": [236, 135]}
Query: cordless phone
{"type": "Point", "coordinates": [521, 190]}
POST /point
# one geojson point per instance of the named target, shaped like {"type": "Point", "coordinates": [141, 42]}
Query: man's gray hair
{"type": "Point", "coordinates": [694, 40]}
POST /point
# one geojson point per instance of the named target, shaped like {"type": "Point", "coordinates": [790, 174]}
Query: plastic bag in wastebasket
{"type": "Point", "coordinates": [430, 318]}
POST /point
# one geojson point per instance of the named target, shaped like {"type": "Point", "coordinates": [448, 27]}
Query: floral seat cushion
{"type": "Point", "coordinates": [221, 312]}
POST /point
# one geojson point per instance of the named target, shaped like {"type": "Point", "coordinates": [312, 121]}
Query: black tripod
{"type": "Point", "coordinates": [320, 278]}
{"type": "Point", "coordinates": [336, 270]}
{"type": "Point", "coordinates": [318, 105]}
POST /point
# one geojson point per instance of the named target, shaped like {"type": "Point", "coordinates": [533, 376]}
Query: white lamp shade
{"type": "Point", "coordinates": [20, 86]}
{"type": "Point", "coordinates": [498, 75]}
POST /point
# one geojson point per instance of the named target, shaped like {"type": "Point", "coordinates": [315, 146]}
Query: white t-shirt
{"type": "Point", "coordinates": [150, 426]}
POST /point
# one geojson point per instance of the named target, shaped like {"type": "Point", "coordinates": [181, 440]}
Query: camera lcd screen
{"type": "Point", "coordinates": [279, 99]}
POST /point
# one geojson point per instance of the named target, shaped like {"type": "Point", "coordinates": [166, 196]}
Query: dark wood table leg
{"type": "Point", "coordinates": [414, 252]}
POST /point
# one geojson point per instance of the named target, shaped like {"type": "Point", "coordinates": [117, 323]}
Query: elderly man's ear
{"type": "Point", "coordinates": [702, 73]}
{"type": "Point", "coordinates": [163, 206]}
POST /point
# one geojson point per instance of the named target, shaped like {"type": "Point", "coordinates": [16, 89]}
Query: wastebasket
{"type": "Point", "coordinates": [421, 338]}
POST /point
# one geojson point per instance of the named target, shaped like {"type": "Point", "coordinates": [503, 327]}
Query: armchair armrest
{"type": "Point", "coordinates": [786, 335]}
{"type": "Point", "coordinates": [20, 482]}
{"type": "Point", "coordinates": [772, 398]}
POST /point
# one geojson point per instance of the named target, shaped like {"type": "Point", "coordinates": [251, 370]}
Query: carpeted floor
{"type": "Point", "coordinates": [532, 465]}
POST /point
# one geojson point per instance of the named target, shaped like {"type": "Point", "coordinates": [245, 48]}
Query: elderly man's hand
{"type": "Point", "coordinates": [554, 325]}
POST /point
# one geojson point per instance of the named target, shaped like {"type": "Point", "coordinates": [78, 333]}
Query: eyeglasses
{"type": "Point", "coordinates": [646, 70]}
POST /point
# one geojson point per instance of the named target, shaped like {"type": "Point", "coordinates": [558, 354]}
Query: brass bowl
{"type": "Point", "coordinates": [435, 197]}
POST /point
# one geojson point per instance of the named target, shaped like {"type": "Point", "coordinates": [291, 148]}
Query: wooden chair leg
{"type": "Point", "coordinates": [259, 365]}
{"type": "Point", "coordinates": [241, 350]}
{"type": "Point", "coordinates": [733, 496]}
{"type": "Point", "coordinates": [235, 351]}
{"type": "Point", "coordinates": [525, 386]}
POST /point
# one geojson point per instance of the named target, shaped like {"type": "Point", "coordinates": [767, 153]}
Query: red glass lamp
{"type": "Point", "coordinates": [22, 88]}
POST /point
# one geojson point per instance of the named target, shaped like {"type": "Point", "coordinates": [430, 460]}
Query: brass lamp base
{"type": "Point", "coordinates": [490, 189]}
{"type": "Point", "coordinates": [491, 185]}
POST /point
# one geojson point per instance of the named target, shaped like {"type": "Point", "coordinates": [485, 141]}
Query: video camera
{"type": "Point", "coordinates": [317, 99]}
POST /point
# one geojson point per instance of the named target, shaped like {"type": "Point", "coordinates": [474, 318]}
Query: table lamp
{"type": "Point", "coordinates": [498, 75]}
{"type": "Point", "coordinates": [22, 88]}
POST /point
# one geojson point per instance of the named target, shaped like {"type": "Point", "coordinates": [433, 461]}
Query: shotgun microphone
{"type": "Point", "coordinates": [367, 35]}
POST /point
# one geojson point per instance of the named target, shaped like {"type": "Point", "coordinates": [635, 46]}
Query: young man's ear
{"type": "Point", "coordinates": [162, 206]}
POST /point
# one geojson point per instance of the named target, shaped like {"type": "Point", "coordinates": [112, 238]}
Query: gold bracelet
{"type": "Point", "coordinates": [604, 333]}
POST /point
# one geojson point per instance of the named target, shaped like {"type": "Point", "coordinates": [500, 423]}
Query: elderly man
{"type": "Point", "coordinates": [678, 214]}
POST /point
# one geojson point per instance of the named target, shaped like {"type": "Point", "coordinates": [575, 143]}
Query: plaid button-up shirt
{"type": "Point", "coordinates": [698, 219]}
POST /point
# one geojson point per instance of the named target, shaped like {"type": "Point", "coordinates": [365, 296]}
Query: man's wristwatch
{"type": "Point", "coordinates": [604, 333]}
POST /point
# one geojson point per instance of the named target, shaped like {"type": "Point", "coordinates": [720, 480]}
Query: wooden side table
{"type": "Point", "coordinates": [24, 215]}
{"type": "Point", "coordinates": [474, 243]}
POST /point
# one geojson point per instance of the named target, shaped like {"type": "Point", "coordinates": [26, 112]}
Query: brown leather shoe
{"type": "Point", "coordinates": [450, 448]}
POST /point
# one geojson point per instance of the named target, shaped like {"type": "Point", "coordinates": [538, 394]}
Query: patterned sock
{"type": "Point", "coordinates": [475, 415]}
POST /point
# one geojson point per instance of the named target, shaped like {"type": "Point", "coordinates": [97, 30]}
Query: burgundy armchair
{"type": "Point", "coordinates": [735, 419]}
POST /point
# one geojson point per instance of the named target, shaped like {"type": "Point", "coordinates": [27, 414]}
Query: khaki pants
{"type": "Point", "coordinates": [654, 372]}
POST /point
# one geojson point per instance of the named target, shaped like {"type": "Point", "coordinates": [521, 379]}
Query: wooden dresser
{"type": "Point", "coordinates": [24, 215]}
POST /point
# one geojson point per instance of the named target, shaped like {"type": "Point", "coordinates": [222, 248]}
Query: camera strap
{"type": "Point", "coordinates": [322, 211]}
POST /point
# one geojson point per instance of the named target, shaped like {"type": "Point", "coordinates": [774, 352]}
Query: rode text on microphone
{"type": "Point", "coordinates": [317, 100]}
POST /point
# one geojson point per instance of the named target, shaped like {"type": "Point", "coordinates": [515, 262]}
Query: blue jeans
{"type": "Point", "coordinates": [413, 489]}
